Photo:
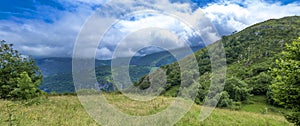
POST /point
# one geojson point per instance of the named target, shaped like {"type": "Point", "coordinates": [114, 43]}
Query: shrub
{"type": "Point", "coordinates": [237, 89]}
{"type": "Point", "coordinates": [25, 89]}
{"type": "Point", "coordinates": [225, 101]}
{"type": "Point", "coordinates": [285, 88]}
{"type": "Point", "coordinates": [20, 77]}
{"type": "Point", "coordinates": [236, 105]}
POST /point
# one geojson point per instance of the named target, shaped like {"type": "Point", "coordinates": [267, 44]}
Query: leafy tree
{"type": "Point", "coordinates": [225, 101]}
{"type": "Point", "coordinates": [261, 83]}
{"type": "Point", "coordinates": [14, 69]}
{"type": "Point", "coordinates": [26, 89]}
{"type": "Point", "coordinates": [285, 87]}
{"type": "Point", "coordinates": [237, 89]}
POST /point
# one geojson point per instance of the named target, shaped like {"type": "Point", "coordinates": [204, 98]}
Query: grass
{"type": "Point", "coordinates": [137, 108]}
{"type": "Point", "coordinates": [258, 104]}
{"type": "Point", "coordinates": [67, 111]}
{"type": "Point", "coordinates": [58, 110]}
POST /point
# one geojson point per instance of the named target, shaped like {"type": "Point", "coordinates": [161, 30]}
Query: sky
{"type": "Point", "coordinates": [50, 28]}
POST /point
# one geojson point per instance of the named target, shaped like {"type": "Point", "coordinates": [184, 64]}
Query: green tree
{"type": "Point", "coordinates": [224, 101]}
{"type": "Point", "coordinates": [261, 83]}
{"type": "Point", "coordinates": [13, 65]}
{"type": "Point", "coordinates": [285, 86]}
{"type": "Point", "coordinates": [26, 89]}
{"type": "Point", "coordinates": [237, 89]}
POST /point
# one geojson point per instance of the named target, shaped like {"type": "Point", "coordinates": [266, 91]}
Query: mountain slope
{"type": "Point", "coordinates": [249, 54]}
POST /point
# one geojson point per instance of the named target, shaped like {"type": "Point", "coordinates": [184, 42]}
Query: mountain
{"type": "Point", "coordinates": [58, 71]}
{"type": "Point", "coordinates": [61, 65]}
{"type": "Point", "coordinates": [162, 58]}
{"type": "Point", "coordinates": [250, 54]}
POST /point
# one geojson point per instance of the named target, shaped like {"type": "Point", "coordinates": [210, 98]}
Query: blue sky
{"type": "Point", "coordinates": [49, 28]}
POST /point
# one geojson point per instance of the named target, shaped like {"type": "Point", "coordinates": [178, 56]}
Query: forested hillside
{"type": "Point", "coordinates": [249, 55]}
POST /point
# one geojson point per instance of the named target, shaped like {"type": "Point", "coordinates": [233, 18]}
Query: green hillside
{"type": "Point", "coordinates": [250, 54]}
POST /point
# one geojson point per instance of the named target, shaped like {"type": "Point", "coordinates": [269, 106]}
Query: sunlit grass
{"type": "Point", "coordinates": [58, 111]}
{"type": "Point", "coordinates": [139, 108]}
{"type": "Point", "coordinates": [258, 104]}
{"type": "Point", "coordinates": [67, 111]}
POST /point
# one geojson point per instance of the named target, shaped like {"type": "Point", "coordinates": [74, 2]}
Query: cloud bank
{"type": "Point", "coordinates": [236, 15]}
{"type": "Point", "coordinates": [55, 37]}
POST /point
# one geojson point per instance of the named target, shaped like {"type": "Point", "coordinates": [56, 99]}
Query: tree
{"type": "Point", "coordinates": [285, 86]}
{"type": "Point", "coordinates": [25, 89]}
{"type": "Point", "coordinates": [224, 101]}
{"type": "Point", "coordinates": [237, 89]}
{"type": "Point", "coordinates": [261, 83]}
{"type": "Point", "coordinates": [14, 69]}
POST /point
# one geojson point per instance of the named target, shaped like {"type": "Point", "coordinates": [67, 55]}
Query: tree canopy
{"type": "Point", "coordinates": [285, 87]}
{"type": "Point", "coordinates": [19, 75]}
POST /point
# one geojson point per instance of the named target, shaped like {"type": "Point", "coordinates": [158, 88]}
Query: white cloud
{"type": "Point", "coordinates": [42, 50]}
{"type": "Point", "coordinates": [143, 19]}
{"type": "Point", "coordinates": [153, 37]}
{"type": "Point", "coordinates": [38, 38]}
{"type": "Point", "coordinates": [231, 16]}
{"type": "Point", "coordinates": [105, 53]}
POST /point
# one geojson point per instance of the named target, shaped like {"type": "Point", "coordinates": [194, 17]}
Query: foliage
{"type": "Point", "coordinates": [293, 117]}
{"type": "Point", "coordinates": [26, 89]}
{"type": "Point", "coordinates": [18, 74]}
{"type": "Point", "coordinates": [260, 83]}
{"type": "Point", "coordinates": [225, 100]}
{"type": "Point", "coordinates": [249, 55]}
{"type": "Point", "coordinates": [237, 89]}
{"type": "Point", "coordinates": [236, 105]}
{"type": "Point", "coordinates": [285, 86]}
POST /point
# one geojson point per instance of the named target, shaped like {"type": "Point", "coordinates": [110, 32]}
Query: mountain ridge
{"type": "Point", "coordinates": [57, 71]}
{"type": "Point", "coordinates": [249, 55]}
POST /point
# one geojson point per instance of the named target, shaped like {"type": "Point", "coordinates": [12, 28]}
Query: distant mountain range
{"type": "Point", "coordinates": [58, 71]}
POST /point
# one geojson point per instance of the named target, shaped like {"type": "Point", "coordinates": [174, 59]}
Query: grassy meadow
{"type": "Point", "coordinates": [67, 111]}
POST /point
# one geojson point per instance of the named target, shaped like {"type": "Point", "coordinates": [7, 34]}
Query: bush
{"type": "Point", "coordinates": [294, 117]}
{"type": "Point", "coordinates": [236, 105]}
{"type": "Point", "coordinates": [20, 77]}
{"type": "Point", "coordinates": [237, 89]}
{"type": "Point", "coordinates": [225, 101]}
{"type": "Point", "coordinates": [25, 89]}
{"type": "Point", "coordinates": [285, 88]}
